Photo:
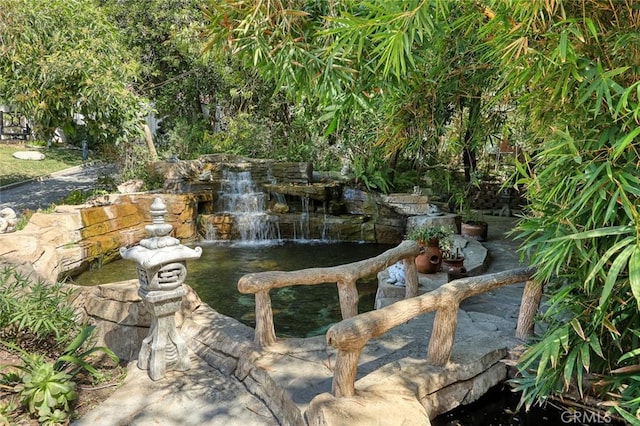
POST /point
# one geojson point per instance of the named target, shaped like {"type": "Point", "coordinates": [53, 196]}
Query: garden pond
{"type": "Point", "coordinates": [299, 311]}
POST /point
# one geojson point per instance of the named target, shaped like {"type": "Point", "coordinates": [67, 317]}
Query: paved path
{"type": "Point", "coordinates": [42, 192]}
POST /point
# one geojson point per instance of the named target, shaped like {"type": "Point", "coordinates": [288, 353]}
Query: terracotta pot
{"type": "Point", "coordinates": [429, 259]}
{"type": "Point", "coordinates": [476, 230]}
{"type": "Point", "coordinates": [454, 266]}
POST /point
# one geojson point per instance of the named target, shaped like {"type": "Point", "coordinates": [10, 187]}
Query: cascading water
{"type": "Point", "coordinates": [240, 199]}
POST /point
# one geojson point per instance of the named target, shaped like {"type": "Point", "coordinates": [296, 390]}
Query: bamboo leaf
{"type": "Point", "coordinates": [563, 47]}
{"type": "Point", "coordinates": [585, 356]}
{"type": "Point", "coordinates": [634, 274]}
{"type": "Point", "coordinates": [596, 233]}
{"type": "Point", "coordinates": [595, 345]}
{"type": "Point", "coordinates": [624, 143]}
{"type": "Point", "coordinates": [568, 367]}
{"type": "Point", "coordinates": [617, 265]}
{"type": "Point", "coordinates": [578, 328]}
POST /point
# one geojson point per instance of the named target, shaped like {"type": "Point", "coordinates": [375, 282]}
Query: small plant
{"type": "Point", "coordinates": [34, 312]}
{"type": "Point", "coordinates": [425, 234]}
{"type": "Point", "coordinates": [46, 388]}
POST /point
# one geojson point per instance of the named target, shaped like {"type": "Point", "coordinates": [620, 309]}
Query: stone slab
{"type": "Point", "coordinates": [419, 221]}
{"type": "Point", "coordinates": [29, 155]}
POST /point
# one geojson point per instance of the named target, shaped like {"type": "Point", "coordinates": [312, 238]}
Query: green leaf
{"type": "Point", "coordinates": [617, 265]}
{"type": "Point", "coordinates": [634, 274]}
{"type": "Point", "coordinates": [563, 46]}
{"type": "Point", "coordinates": [585, 356]}
{"type": "Point", "coordinates": [578, 328]}
{"type": "Point", "coordinates": [631, 354]}
{"type": "Point", "coordinates": [595, 345]}
{"type": "Point", "coordinates": [624, 143]}
{"type": "Point", "coordinates": [595, 233]}
{"type": "Point", "coordinates": [568, 367]}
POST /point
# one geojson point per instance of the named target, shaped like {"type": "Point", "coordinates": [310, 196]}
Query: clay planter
{"type": "Point", "coordinates": [454, 266]}
{"type": "Point", "coordinates": [430, 257]}
{"type": "Point", "coordinates": [475, 229]}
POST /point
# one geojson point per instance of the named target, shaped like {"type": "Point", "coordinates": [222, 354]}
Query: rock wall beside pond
{"type": "Point", "coordinates": [74, 238]}
{"type": "Point", "coordinates": [303, 204]}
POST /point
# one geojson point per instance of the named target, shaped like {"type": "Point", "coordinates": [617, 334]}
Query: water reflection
{"type": "Point", "coordinates": [299, 311]}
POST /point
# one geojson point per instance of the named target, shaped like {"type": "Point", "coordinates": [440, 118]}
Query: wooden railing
{"type": "Point", "coordinates": [351, 335]}
{"type": "Point", "coordinates": [345, 276]}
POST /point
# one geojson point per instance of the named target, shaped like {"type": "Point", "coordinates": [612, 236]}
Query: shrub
{"type": "Point", "coordinates": [34, 313]}
{"type": "Point", "coordinates": [37, 322]}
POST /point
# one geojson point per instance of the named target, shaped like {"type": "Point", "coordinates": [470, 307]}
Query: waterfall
{"type": "Point", "coordinates": [240, 198]}
{"type": "Point", "coordinates": [304, 218]}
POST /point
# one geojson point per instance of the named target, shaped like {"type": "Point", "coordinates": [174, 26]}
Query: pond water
{"type": "Point", "coordinates": [299, 311]}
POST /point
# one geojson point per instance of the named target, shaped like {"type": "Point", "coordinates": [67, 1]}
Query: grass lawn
{"type": "Point", "coordinates": [15, 170]}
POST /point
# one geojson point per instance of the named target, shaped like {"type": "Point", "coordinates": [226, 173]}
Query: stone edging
{"type": "Point", "coordinates": [227, 345]}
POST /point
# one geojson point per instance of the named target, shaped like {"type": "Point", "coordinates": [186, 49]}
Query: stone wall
{"type": "Point", "coordinates": [204, 174]}
{"type": "Point", "coordinates": [74, 238]}
{"type": "Point", "coordinates": [489, 196]}
{"type": "Point", "coordinates": [305, 207]}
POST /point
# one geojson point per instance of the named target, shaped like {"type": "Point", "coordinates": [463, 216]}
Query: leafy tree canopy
{"type": "Point", "coordinates": [62, 58]}
{"type": "Point", "coordinates": [414, 64]}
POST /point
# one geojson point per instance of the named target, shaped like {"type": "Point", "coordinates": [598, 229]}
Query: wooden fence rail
{"type": "Point", "coordinates": [345, 276]}
{"type": "Point", "coordinates": [351, 335]}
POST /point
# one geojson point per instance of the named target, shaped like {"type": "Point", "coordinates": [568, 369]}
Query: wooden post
{"type": "Point", "coordinates": [531, 297]}
{"type": "Point", "coordinates": [410, 277]}
{"type": "Point", "coordinates": [265, 333]}
{"type": "Point", "coordinates": [348, 295]}
{"type": "Point", "coordinates": [344, 374]}
{"type": "Point", "coordinates": [443, 334]}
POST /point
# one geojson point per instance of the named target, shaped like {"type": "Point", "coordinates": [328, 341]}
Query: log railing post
{"type": "Point", "coordinates": [265, 333]}
{"type": "Point", "coordinates": [531, 297]}
{"type": "Point", "coordinates": [344, 374]}
{"type": "Point", "coordinates": [348, 295]}
{"type": "Point", "coordinates": [443, 334]}
{"type": "Point", "coordinates": [411, 277]}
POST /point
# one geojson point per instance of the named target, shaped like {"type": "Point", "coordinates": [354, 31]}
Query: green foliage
{"type": "Point", "coordinates": [427, 233]}
{"type": "Point", "coordinates": [409, 67]}
{"type": "Point", "coordinates": [46, 388]}
{"type": "Point", "coordinates": [34, 312]}
{"type": "Point", "coordinates": [568, 64]}
{"type": "Point", "coordinates": [23, 219]}
{"type": "Point", "coordinates": [61, 58]}
{"type": "Point", "coordinates": [35, 315]}
{"type": "Point", "coordinates": [76, 197]}
{"type": "Point", "coordinates": [45, 391]}
{"type": "Point", "coordinates": [373, 173]}
{"type": "Point", "coordinates": [76, 356]}
{"type": "Point", "coordinates": [134, 164]}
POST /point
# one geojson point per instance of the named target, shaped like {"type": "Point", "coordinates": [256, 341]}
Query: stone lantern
{"type": "Point", "coordinates": [161, 271]}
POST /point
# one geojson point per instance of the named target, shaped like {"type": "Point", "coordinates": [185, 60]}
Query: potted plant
{"type": "Point", "coordinates": [453, 260]}
{"type": "Point", "coordinates": [473, 226]}
{"type": "Point", "coordinates": [431, 241]}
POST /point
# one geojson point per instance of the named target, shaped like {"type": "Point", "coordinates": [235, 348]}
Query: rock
{"type": "Point", "coordinates": [8, 220]}
{"type": "Point", "coordinates": [28, 155]}
{"type": "Point", "coordinates": [280, 208]}
{"type": "Point", "coordinates": [130, 186]}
